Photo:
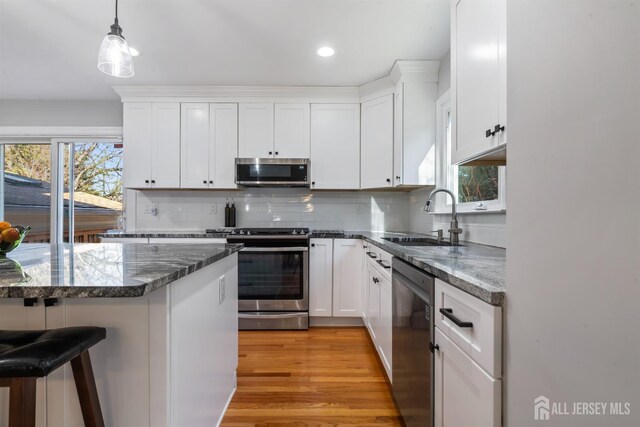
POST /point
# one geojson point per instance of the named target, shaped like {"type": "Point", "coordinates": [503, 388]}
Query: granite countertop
{"type": "Point", "coordinates": [105, 270]}
{"type": "Point", "coordinates": [165, 234]}
{"type": "Point", "coordinates": [479, 270]}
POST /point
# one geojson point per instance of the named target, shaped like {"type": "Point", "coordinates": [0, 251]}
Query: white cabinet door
{"type": "Point", "coordinates": [373, 302]}
{"type": "Point", "coordinates": [335, 146]}
{"type": "Point", "coordinates": [414, 112]}
{"type": "Point", "coordinates": [136, 140]}
{"type": "Point", "coordinates": [478, 60]}
{"type": "Point", "coordinates": [165, 150]}
{"type": "Point", "coordinates": [194, 145]}
{"type": "Point", "coordinates": [347, 282]}
{"type": "Point", "coordinates": [376, 167]}
{"type": "Point", "coordinates": [465, 395]}
{"type": "Point", "coordinates": [385, 325]}
{"type": "Point", "coordinates": [292, 123]}
{"type": "Point", "coordinates": [223, 134]}
{"type": "Point", "coordinates": [255, 130]}
{"type": "Point", "coordinates": [320, 277]}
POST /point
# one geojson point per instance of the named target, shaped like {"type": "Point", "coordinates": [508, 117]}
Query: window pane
{"type": "Point", "coordinates": [27, 188]}
{"type": "Point", "coordinates": [477, 183]}
{"type": "Point", "coordinates": [97, 189]}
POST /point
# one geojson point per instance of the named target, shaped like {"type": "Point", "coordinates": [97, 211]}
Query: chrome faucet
{"type": "Point", "coordinates": [454, 230]}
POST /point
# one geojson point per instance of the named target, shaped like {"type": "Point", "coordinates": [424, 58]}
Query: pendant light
{"type": "Point", "coordinates": [115, 58]}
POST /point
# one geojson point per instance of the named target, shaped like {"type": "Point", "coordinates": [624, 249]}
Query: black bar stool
{"type": "Point", "coordinates": [26, 356]}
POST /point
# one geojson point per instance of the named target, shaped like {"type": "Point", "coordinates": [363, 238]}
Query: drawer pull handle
{"type": "Point", "coordinates": [448, 313]}
{"type": "Point", "coordinates": [381, 262]}
{"type": "Point", "coordinates": [372, 255]}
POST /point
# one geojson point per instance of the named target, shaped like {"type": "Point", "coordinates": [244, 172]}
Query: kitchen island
{"type": "Point", "coordinates": [170, 311]}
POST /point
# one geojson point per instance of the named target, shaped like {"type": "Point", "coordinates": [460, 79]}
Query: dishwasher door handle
{"type": "Point", "coordinates": [448, 313]}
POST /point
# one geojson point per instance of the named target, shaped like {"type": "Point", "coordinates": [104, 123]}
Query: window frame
{"type": "Point", "coordinates": [55, 137]}
{"type": "Point", "coordinates": [447, 178]}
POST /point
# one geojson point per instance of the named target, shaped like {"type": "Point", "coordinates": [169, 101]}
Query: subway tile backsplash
{"type": "Point", "coordinates": [268, 207]}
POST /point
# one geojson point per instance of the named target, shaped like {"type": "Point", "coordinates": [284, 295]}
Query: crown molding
{"type": "Point", "coordinates": [236, 93]}
{"type": "Point", "coordinates": [401, 71]}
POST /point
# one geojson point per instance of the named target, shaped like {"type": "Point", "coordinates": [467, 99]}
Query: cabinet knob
{"type": "Point", "coordinates": [313, 245]}
{"type": "Point", "coordinates": [270, 153]}
{"type": "Point", "coordinates": [210, 182]}
{"type": "Point", "coordinates": [313, 183]}
{"type": "Point", "coordinates": [146, 181]}
{"type": "Point", "coordinates": [388, 179]}
{"type": "Point", "coordinates": [276, 153]}
{"type": "Point", "coordinates": [153, 181]}
{"type": "Point", "coordinates": [204, 181]}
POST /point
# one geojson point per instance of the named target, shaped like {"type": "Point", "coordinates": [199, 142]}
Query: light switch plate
{"type": "Point", "coordinates": [360, 209]}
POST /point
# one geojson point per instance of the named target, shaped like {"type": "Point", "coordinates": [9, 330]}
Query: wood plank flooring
{"type": "Point", "coordinates": [320, 377]}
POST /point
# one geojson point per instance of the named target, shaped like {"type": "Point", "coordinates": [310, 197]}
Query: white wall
{"type": "Point", "coordinates": [271, 207]}
{"type": "Point", "coordinates": [60, 113]}
{"type": "Point", "coordinates": [444, 74]}
{"type": "Point", "coordinates": [573, 272]}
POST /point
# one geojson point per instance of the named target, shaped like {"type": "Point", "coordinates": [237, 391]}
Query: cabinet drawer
{"type": "Point", "coordinates": [380, 259]}
{"type": "Point", "coordinates": [482, 339]}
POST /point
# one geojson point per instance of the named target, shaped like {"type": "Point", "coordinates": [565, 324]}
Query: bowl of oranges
{"type": "Point", "coordinates": [11, 236]}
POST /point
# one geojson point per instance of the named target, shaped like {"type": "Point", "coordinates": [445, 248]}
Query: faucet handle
{"type": "Point", "coordinates": [440, 233]}
{"type": "Point", "coordinates": [456, 230]}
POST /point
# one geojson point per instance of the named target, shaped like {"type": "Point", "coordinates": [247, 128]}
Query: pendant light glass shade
{"type": "Point", "coordinates": [115, 58]}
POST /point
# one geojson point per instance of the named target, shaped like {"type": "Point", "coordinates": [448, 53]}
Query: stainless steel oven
{"type": "Point", "coordinates": [273, 278]}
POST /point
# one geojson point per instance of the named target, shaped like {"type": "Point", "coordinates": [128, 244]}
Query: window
{"type": "Point", "coordinates": [477, 188]}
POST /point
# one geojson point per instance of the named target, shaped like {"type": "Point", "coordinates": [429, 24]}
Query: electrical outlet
{"type": "Point", "coordinates": [360, 209]}
{"type": "Point", "coordinates": [151, 209]}
{"type": "Point", "coordinates": [214, 209]}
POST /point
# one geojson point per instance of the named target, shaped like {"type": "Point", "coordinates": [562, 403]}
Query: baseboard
{"type": "Point", "coordinates": [335, 321]}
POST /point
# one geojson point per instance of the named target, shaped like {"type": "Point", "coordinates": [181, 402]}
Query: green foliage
{"type": "Point", "coordinates": [477, 183]}
{"type": "Point", "coordinates": [97, 167]}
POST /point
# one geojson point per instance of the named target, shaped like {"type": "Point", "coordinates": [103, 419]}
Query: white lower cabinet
{"type": "Point", "coordinates": [385, 324]}
{"type": "Point", "coordinates": [346, 277]}
{"type": "Point", "coordinates": [320, 277]}
{"type": "Point", "coordinates": [465, 395]}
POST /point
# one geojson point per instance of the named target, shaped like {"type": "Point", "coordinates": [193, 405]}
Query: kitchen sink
{"type": "Point", "coordinates": [407, 241]}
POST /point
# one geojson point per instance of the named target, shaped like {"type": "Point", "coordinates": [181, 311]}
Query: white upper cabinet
{"type": "Point", "coordinates": [320, 277]}
{"type": "Point", "coordinates": [268, 130]}
{"type": "Point", "coordinates": [335, 146]}
{"type": "Point", "coordinates": [347, 282]}
{"type": "Point", "coordinates": [255, 130]}
{"type": "Point", "coordinates": [151, 139]}
{"type": "Point", "coordinates": [292, 122]}
{"type": "Point", "coordinates": [223, 143]}
{"type": "Point", "coordinates": [209, 145]}
{"type": "Point", "coordinates": [376, 167]}
{"type": "Point", "coordinates": [194, 147]}
{"type": "Point", "coordinates": [414, 134]}
{"type": "Point", "coordinates": [478, 70]}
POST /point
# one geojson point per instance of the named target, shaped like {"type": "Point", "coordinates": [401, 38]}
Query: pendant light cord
{"type": "Point", "coordinates": [116, 10]}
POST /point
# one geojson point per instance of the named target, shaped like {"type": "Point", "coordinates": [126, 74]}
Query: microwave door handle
{"type": "Point", "coordinates": [294, 249]}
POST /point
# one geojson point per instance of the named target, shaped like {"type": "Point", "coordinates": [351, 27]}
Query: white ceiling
{"type": "Point", "coordinates": [48, 48]}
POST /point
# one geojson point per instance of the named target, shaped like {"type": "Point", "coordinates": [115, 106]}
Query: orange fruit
{"type": "Point", "coordinates": [4, 225]}
{"type": "Point", "coordinates": [10, 235]}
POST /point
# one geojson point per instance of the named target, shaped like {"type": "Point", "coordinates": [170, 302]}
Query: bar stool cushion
{"type": "Point", "coordinates": [37, 353]}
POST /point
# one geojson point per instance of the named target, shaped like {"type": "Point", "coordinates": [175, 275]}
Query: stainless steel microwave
{"type": "Point", "coordinates": [273, 172]}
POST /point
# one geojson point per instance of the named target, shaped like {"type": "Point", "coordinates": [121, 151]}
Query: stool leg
{"type": "Point", "coordinates": [87, 392]}
{"type": "Point", "coordinates": [22, 402]}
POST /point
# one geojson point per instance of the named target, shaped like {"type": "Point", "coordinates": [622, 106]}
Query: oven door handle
{"type": "Point", "coordinates": [269, 316]}
{"type": "Point", "coordinates": [288, 249]}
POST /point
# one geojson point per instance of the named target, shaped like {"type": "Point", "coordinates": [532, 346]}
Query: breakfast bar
{"type": "Point", "coordinates": [160, 304]}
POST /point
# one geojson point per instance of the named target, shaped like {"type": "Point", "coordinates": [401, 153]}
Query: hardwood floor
{"type": "Point", "coordinates": [320, 377]}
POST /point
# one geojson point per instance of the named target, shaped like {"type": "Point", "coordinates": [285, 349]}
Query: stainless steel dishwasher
{"type": "Point", "coordinates": [413, 331]}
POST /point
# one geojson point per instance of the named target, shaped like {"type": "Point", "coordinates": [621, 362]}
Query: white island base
{"type": "Point", "coordinates": [169, 359]}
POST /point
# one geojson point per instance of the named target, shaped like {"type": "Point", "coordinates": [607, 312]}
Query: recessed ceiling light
{"type": "Point", "coordinates": [326, 51]}
{"type": "Point", "coordinates": [134, 51]}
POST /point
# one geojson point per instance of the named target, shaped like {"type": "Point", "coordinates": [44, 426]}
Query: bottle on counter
{"type": "Point", "coordinates": [232, 216]}
{"type": "Point", "coordinates": [227, 215]}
